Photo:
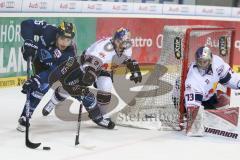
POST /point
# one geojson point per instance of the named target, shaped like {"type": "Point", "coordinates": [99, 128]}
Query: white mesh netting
{"type": "Point", "coordinates": [153, 106]}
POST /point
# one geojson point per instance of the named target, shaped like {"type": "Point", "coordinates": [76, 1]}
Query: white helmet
{"type": "Point", "coordinates": [203, 57]}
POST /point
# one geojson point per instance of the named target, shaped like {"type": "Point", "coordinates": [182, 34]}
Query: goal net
{"type": "Point", "coordinates": [163, 107]}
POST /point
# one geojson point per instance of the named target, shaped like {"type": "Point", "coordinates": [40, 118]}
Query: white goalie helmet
{"type": "Point", "coordinates": [203, 57]}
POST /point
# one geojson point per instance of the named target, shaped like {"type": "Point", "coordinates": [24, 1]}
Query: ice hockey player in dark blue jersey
{"type": "Point", "coordinates": [55, 45]}
{"type": "Point", "coordinates": [55, 59]}
{"type": "Point", "coordinates": [75, 79]}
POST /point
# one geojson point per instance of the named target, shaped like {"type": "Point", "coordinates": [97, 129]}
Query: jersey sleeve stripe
{"type": "Point", "coordinates": [198, 97]}
{"type": "Point", "coordinates": [225, 79]}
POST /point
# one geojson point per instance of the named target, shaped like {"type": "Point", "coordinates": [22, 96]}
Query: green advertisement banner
{"type": "Point", "coordinates": [11, 61]}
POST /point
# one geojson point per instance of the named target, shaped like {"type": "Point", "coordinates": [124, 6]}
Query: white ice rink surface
{"type": "Point", "coordinates": [100, 144]}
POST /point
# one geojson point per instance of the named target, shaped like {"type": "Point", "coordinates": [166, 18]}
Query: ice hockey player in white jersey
{"type": "Point", "coordinates": [105, 55]}
{"type": "Point", "coordinates": [204, 76]}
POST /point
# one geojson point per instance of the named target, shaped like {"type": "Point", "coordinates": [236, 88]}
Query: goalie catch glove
{"type": "Point", "coordinates": [133, 66]}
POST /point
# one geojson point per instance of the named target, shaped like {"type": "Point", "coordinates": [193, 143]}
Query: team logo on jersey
{"type": "Point", "coordinates": [45, 54]}
{"type": "Point", "coordinates": [178, 47]}
{"type": "Point", "coordinates": [57, 53]}
{"type": "Point", "coordinates": [213, 89]}
{"type": "Point", "coordinates": [223, 46]}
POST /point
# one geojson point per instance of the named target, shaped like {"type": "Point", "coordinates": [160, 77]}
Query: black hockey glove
{"type": "Point", "coordinates": [133, 66]}
{"type": "Point", "coordinates": [136, 77]}
{"type": "Point", "coordinates": [89, 76]}
{"type": "Point", "coordinates": [29, 49]}
{"type": "Point", "coordinates": [31, 84]}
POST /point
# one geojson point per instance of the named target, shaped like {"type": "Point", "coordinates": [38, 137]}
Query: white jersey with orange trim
{"type": "Point", "coordinates": [201, 87]}
{"type": "Point", "coordinates": [104, 51]}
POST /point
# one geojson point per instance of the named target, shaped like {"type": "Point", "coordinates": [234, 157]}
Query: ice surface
{"type": "Point", "coordinates": [100, 144]}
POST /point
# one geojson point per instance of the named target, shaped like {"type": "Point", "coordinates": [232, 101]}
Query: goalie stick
{"type": "Point", "coordinates": [28, 143]}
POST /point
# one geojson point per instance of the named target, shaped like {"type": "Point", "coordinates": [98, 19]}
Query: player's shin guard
{"type": "Point", "coordinates": [195, 127]}
{"type": "Point", "coordinates": [103, 99]}
{"type": "Point", "coordinates": [59, 95]}
{"type": "Point", "coordinates": [35, 98]}
{"type": "Point", "coordinates": [95, 114]}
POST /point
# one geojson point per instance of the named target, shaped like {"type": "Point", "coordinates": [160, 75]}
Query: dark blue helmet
{"type": "Point", "coordinates": [122, 34]}
{"type": "Point", "coordinates": [203, 57]}
{"type": "Point", "coordinates": [122, 39]}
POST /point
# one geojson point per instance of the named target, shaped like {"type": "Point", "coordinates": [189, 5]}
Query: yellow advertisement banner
{"type": "Point", "coordinates": [236, 68]}
{"type": "Point", "coordinates": [18, 81]}
{"type": "Point", "coordinates": [12, 81]}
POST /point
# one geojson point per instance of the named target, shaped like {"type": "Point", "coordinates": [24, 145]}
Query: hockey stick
{"type": "Point", "coordinates": [78, 125]}
{"type": "Point", "coordinates": [28, 143]}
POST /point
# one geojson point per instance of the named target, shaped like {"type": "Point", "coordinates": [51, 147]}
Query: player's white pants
{"type": "Point", "coordinates": [104, 83]}
{"type": "Point", "coordinates": [104, 86]}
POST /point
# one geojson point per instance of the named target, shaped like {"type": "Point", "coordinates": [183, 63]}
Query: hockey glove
{"type": "Point", "coordinates": [31, 84]}
{"type": "Point", "coordinates": [89, 76]}
{"type": "Point", "coordinates": [136, 77]}
{"type": "Point", "coordinates": [133, 66]}
{"type": "Point", "coordinates": [29, 49]}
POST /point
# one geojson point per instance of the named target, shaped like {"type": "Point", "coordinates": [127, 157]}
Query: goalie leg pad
{"type": "Point", "coordinates": [103, 98]}
{"type": "Point", "coordinates": [223, 101]}
{"type": "Point", "coordinates": [195, 127]}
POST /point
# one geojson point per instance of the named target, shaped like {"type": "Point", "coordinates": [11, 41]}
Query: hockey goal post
{"type": "Point", "coordinates": [165, 109]}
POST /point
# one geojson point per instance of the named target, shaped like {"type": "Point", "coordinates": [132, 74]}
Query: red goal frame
{"type": "Point", "coordinates": [185, 62]}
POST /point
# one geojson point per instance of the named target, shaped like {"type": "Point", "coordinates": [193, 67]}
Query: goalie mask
{"type": "Point", "coordinates": [121, 40]}
{"type": "Point", "coordinates": [203, 57]}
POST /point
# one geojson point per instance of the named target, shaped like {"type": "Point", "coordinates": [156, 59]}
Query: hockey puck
{"type": "Point", "coordinates": [46, 148]}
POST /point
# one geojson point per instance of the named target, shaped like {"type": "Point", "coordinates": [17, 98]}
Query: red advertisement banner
{"type": "Point", "coordinates": [147, 34]}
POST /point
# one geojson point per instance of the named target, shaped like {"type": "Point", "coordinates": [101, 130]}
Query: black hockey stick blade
{"type": "Point", "coordinates": [32, 145]}
{"type": "Point", "coordinates": [77, 140]}
{"type": "Point", "coordinates": [28, 143]}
